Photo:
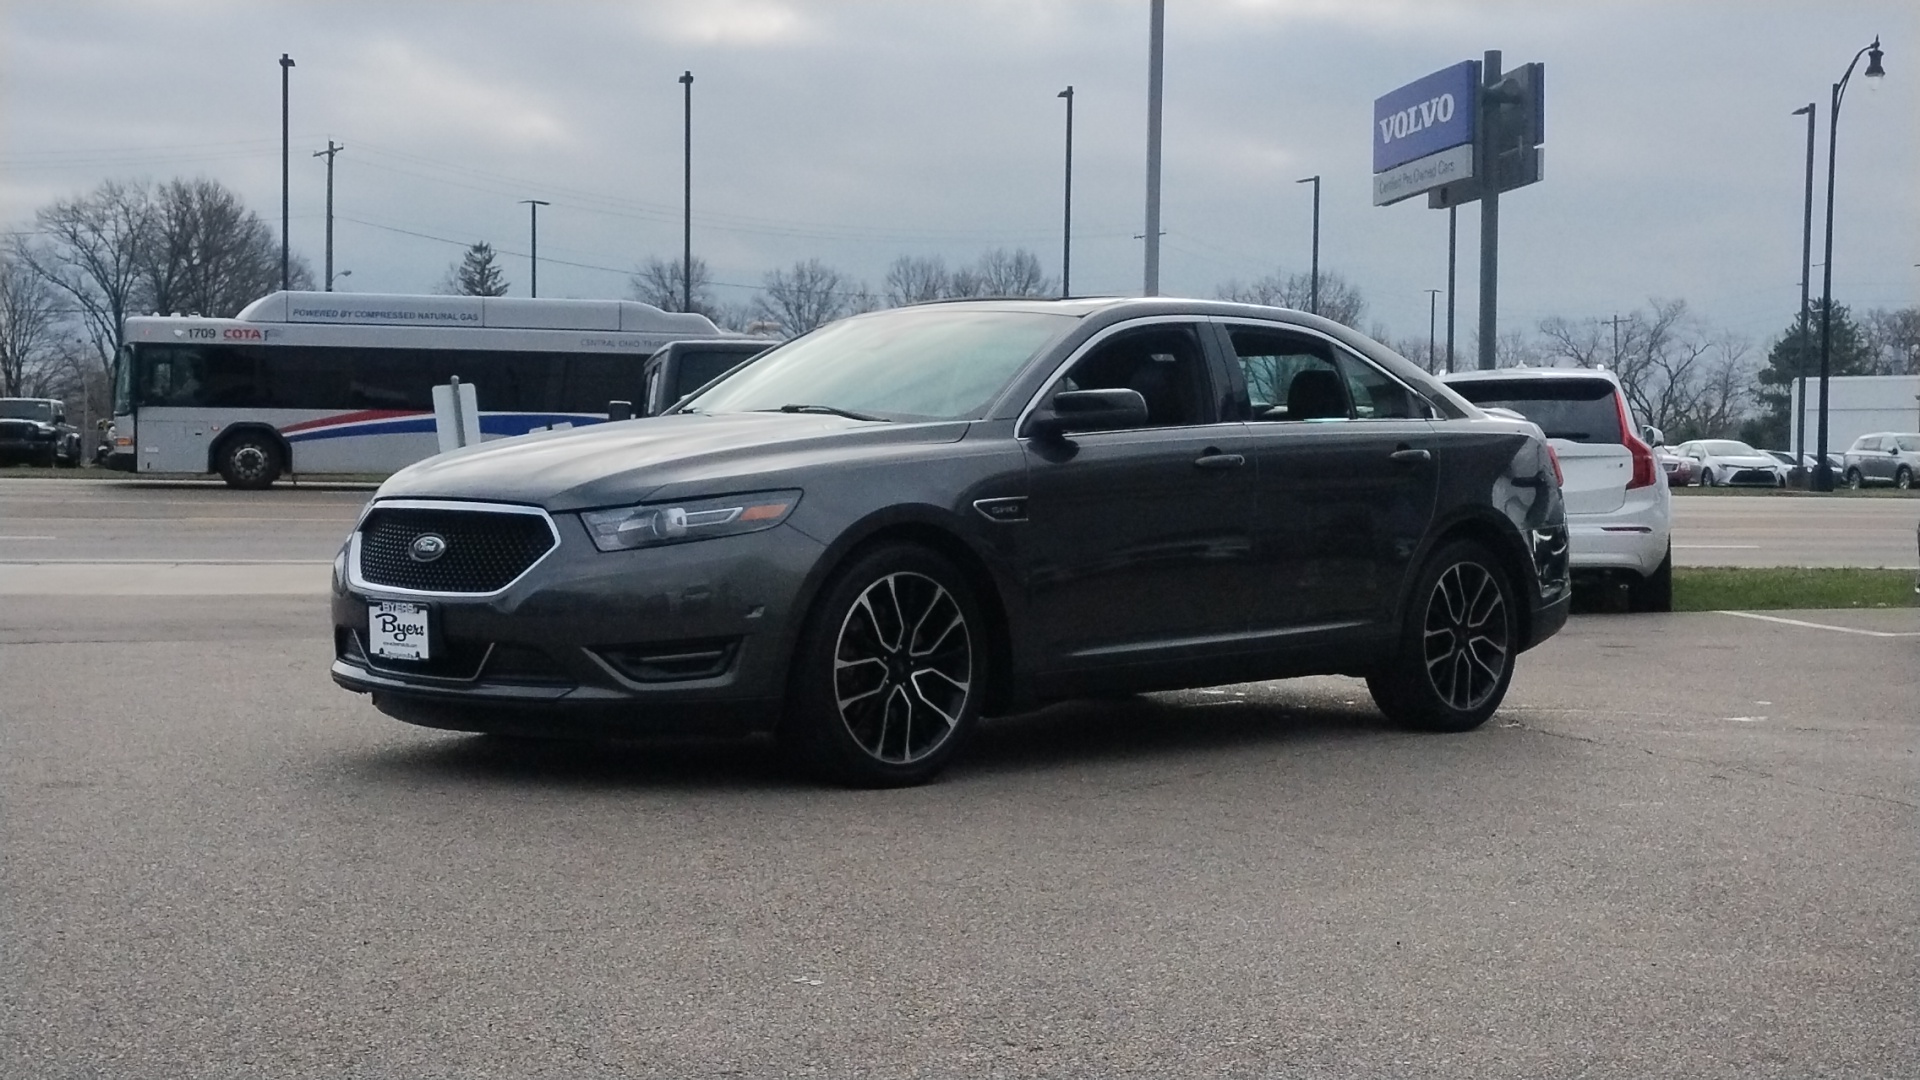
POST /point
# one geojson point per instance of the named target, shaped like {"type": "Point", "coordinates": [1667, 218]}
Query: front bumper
{"type": "Point", "coordinates": [685, 639]}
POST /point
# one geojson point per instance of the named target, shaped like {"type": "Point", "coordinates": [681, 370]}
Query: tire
{"type": "Point", "coordinates": [879, 697]}
{"type": "Point", "coordinates": [1903, 479]}
{"type": "Point", "coordinates": [1655, 591]}
{"type": "Point", "coordinates": [50, 459]}
{"type": "Point", "coordinates": [1456, 650]}
{"type": "Point", "coordinates": [1706, 478]}
{"type": "Point", "coordinates": [1854, 479]}
{"type": "Point", "coordinates": [249, 461]}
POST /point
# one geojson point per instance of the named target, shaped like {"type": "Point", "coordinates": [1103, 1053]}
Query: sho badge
{"type": "Point", "coordinates": [427, 547]}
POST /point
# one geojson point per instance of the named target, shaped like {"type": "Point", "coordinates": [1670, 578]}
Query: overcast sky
{"type": "Point", "coordinates": [858, 132]}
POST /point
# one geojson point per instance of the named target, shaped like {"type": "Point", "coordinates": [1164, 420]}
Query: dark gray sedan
{"type": "Point", "coordinates": [866, 538]}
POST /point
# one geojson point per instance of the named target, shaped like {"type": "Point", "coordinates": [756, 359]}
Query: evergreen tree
{"type": "Point", "coordinates": [476, 275]}
{"type": "Point", "coordinates": [1797, 352]}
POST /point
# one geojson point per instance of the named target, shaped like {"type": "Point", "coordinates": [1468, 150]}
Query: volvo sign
{"type": "Point", "coordinates": [1426, 116]}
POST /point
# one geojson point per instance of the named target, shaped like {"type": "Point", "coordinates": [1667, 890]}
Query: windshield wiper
{"type": "Point", "coordinates": [835, 410]}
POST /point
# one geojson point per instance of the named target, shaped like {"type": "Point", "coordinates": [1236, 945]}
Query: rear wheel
{"type": "Point", "coordinates": [1655, 591]}
{"type": "Point", "coordinates": [249, 461]}
{"type": "Point", "coordinates": [1455, 655]}
{"type": "Point", "coordinates": [1854, 479]}
{"type": "Point", "coordinates": [890, 672]}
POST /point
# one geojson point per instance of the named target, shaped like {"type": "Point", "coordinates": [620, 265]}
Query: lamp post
{"type": "Point", "coordinates": [286, 64]}
{"type": "Point", "coordinates": [1066, 225]}
{"type": "Point", "coordinates": [1156, 56]}
{"type": "Point", "coordinates": [1823, 471]}
{"type": "Point", "coordinates": [686, 204]}
{"type": "Point", "coordinates": [1313, 281]}
{"type": "Point", "coordinates": [533, 245]}
{"type": "Point", "coordinates": [1806, 275]}
{"type": "Point", "coordinates": [1433, 302]}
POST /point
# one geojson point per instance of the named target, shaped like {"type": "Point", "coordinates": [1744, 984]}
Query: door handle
{"type": "Point", "coordinates": [1214, 459]}
{"type": "Point", "coordinates": [1407, 455]}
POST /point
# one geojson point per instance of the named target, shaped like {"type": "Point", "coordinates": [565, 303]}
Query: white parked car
{"type": "Point", "coordinates": [1729, 462]}
{"type": "Point", "coordinates": [1619, 510]}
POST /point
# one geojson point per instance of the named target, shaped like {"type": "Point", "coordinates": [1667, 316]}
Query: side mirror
{"type": "Point", "coordinates": [1653, 435]}
{"type": "Point", "coordinates": [1089, 410]}
{"type": "Point", "coordinates": [619, 410]}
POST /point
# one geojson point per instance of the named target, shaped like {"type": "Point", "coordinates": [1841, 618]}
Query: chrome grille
{"type": "Point", "coordinates": [485, 550]}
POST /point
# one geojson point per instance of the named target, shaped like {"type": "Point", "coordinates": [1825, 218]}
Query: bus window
{"type": "Point", "coordinates": [595, 379]}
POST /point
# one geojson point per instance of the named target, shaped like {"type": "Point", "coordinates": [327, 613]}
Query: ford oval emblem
{"type": "Point", "coordinates": [427, 547]}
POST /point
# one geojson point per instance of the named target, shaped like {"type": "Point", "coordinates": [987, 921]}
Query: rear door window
{"type": "Point", "coordinates": [1577, 410]}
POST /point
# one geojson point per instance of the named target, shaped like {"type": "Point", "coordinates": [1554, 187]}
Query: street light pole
{"type": "Point", "coordinates": [1156, 55]}
{"type": "Point", "coordinates": [533, 244]}
{"type": "Point", "coordinates": [1453, 236]}
{"type": "Point", "coordinates": [1823, 472]}
{"type": "Point", "coordinates": [1433, 301]}
{"type": "Point", "coordinates": [1806, 275]}
{"type": "Point", "coordinates": [1313, 280]}
{"type": "Point", "coordinates": [1066, 226]}
{"type": "Point", "coordinates": [686, 203]}
{"type": "Point", "coordinates": [286, 63]}
{"type": "Point", "coordinates": [329, 153]}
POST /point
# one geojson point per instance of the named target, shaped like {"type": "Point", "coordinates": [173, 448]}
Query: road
{"type": "Point", "coordinates": [1684, 849]}
{"type": "Point", "coordinates": [132, 537]}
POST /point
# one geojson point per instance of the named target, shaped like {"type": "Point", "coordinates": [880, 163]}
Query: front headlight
{"type": "Point", "coordinates": [654, 524]}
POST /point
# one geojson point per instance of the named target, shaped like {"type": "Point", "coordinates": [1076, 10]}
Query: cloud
{"type": "Point", "coordinates": [395, 89]}
{"type": "Point", "coordinates": [738, 23]}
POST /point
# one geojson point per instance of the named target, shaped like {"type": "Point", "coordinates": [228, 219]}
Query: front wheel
{"type": "Point", "coordinates": [1456, 649]}
{"type": "Point", "coordinates": [249, 461]}
{"type": "Point", "coordinates": [1706, 478]}
{"type": "Point", "coordinates": [1903, 479]}
{"type": "Point", "coordinates": [890, 671]}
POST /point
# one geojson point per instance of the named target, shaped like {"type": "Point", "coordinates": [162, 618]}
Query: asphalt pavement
{"type": "Point", "coordinates": [1685, 848]}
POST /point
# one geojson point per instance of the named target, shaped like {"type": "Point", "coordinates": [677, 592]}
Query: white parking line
{"type": "Point", "coordinates": [1716, 547]}
{"type": "Point", "coordinates": [1823, 626]}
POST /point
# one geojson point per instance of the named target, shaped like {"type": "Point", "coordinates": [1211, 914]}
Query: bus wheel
{"type": "Point", "coordinates": [249, 461]}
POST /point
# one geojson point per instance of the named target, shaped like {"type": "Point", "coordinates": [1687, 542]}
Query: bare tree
{"type": "Point", "coordinates": [1893, 339]}
{"type": "Point", "coordinates": [808, 295]}
{"type": "Point", "coordinates": [1340, 299]}
{"type": "Point", "coordinates": [29, 330]}
{"type": "Point", "coordinates": [659, 282]}
{"type": "Point", "coordinates": [93, 255]}
{"type": "Point", "coordinates": [1012, 273]}
{"type": "Point", "coordinates": [916, 281]}
{"type": "Point", "coordinates": [208, 254]}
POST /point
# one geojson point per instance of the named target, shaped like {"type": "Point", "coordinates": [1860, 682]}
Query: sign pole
{"type": "Point", "coordinates": [1453, 235]}
{"type": "Point", "coordinates": [1489, 211]}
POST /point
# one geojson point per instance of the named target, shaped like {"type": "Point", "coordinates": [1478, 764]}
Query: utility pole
{"type": "Point", "coordinates": [286, 63]}
{"type": "Point", "coordinates": [533, 247]}
{"type": "Point", "coordinates": [686, 203]}
{"type": "Point", "coordinates": [1066, 227]}
{"type": "Point", "coordinates": [1616, 321]}
{"type": "Point", "coordinates": [1433, 298]}
{"type": "Point", "coordinates": [329, 153]}
{"type": "Point", "coordinates": [1156, 55]}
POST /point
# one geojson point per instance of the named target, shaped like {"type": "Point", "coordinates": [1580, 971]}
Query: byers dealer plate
{"type": "Point", "coordinates": [397, 631]}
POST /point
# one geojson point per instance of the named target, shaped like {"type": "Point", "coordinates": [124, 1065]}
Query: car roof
{"type": "Point", "coordinates": [1519, 373]}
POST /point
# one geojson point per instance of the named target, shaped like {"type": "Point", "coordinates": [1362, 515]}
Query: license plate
{"type": "Point", "coordinates": [397, 631]}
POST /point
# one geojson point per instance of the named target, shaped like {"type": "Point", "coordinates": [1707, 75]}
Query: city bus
{"type": "Point", "coordinates": [317, 382]}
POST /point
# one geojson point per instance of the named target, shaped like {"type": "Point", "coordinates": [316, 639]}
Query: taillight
{"type": "Point", "coordinates": [1646, 471]}
{"type": "Point", "coordinates": [1559, 478]}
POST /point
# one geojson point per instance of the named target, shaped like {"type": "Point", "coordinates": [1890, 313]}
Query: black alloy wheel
{"type": "Point", "coordinates": [890, 672]}
{"type": "Point", "coordinates": [249, 461]}
{"type": "Point", "coordinates": [1456, 649]}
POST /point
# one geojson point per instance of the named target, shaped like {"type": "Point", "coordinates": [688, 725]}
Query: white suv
{"type": "Point", "coordinates": [1619, 511]}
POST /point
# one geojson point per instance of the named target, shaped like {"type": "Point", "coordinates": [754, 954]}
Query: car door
{"type": "Point", "coordinates": [1345, 471]}
{"type": "Point", "coordinates": [1138, 542]}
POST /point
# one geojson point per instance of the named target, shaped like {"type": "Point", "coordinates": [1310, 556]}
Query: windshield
{"type": "Point", "coordinates": [1577, 410]}
{"type": "Point", "coordinates": [27, 410]}
{"type": "Point", "coordinates": [1729, 448]}
{"type": "Point", "coordinates": [912, 364]}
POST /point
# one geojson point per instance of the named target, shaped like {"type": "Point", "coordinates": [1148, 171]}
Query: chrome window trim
{"type": "Point", "coordinates": [1099, 338]}
{"type": "Point", "coordinates": [1229, 321]}
{"type": "Point", "coordinates": [359, 584]}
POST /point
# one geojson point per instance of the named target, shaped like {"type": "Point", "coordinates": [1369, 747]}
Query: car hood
{"type": "Point", "coordinates": [1748, 461]}
{"type": "Point", "coordinates": [625, 461]}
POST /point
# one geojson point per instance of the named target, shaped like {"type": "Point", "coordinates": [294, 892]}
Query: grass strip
{"type": "Point", "coordinates": [1774, 588]}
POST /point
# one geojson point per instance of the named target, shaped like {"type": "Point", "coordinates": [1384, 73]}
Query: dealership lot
{"type": "Point", "coordinates": [1683, 848]}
